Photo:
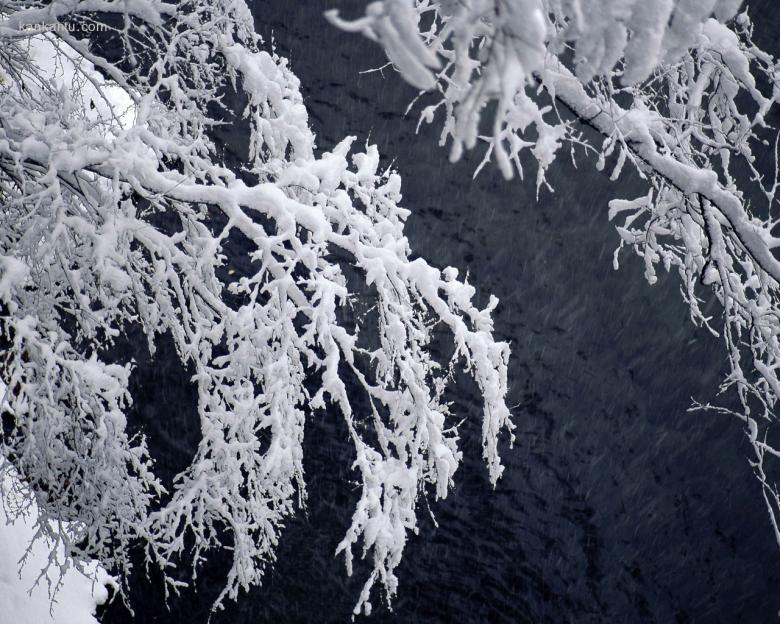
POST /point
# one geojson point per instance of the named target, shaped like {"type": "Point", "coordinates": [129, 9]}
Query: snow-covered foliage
{"type": "Point", "coordinates": [115, 209]}
{"type": "Point", "coordinates": [47, 588]}
{"type": "Point", "coordinates": [477, 52]}
{"type": "Point", "coordinates": [676, 93]}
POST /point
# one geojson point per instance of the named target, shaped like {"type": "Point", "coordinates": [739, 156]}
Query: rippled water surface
{"type": "Point", "coordinates": [617, 505]}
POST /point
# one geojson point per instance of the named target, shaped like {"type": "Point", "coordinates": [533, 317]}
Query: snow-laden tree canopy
{"type": "Point", "coordinates": [115, 210]}
{"type": "Point", "coordinates": [678, 92]}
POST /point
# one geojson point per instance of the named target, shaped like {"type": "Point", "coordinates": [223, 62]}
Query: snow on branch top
{"type": "Point", "coordinates": [478, 51]}
{"type": "Point", "coordinates": [641, 34]}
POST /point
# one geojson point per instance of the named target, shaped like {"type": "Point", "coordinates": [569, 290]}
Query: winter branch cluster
{"type": "Point", "coordinates": [678, 93]}
{"type": "Point", "coordinates": [117, 206]}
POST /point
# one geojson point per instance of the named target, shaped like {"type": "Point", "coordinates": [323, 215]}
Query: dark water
{"type": "Point", "coordinates": [617, 504]}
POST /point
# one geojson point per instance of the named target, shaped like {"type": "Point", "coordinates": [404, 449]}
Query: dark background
{"type": "Point", "coordinates": [617, 504]}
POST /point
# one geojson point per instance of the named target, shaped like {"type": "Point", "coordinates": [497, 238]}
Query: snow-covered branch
{"type": "Point", "coordinates": [677, 93]}
{"type": "Point", "coordinates": [116, 210]}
